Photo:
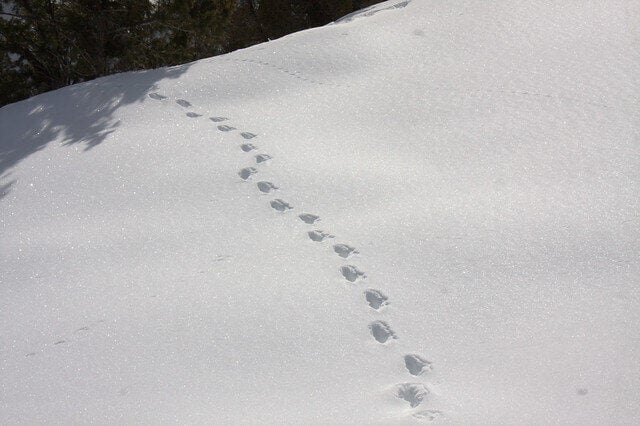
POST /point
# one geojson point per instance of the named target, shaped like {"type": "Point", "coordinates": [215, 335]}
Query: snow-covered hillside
{"type": "Point", "coordinates": [428, 211]}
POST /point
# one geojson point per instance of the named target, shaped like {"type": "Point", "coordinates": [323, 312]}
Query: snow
{"type": "Point", "coordinates": [472, 169]}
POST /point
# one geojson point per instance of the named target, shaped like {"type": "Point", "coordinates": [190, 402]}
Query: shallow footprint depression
{"type": "Point", "coordinates": [247, 172]}
{"type": "Point", "coordinates": [351, 273]}
{"type": "Point", "coordinates": [261, 158]}
{"type": "Point", "coordinates": [413, 393]}
{"type": "Point", "coordinates": [319, 235]}
{"type": "Point", "coordinates": [280, 205]}
{"type": "Point", "coordinates": [375, 298]}
{"type": "Point", "coordinates": [266, 187]}
{"type": "Point", "coordinates": [381, 331]}
{"type": "Point", "coordinates": [248, 135]}
{"type": "Point", "coordinates": [344, 250]}
{"type": "Point", "coordinates": [309, 218]}
{"type": "Point", "coordinates": [416, 364]}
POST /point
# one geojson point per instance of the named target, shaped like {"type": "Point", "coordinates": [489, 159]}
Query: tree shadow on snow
{"type": "Point", "coordinates": [81, 114]}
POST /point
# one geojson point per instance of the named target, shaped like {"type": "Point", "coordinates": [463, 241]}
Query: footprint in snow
{"type": "Point", "coordinates": [225, 128]}
{"type": "Point", "coordinates": [247, 172]}
{"type": "Point", "coordinates": [248, 135]}
{"type": "Point", "coordinates": [376, 299]}
{"type": "Point", "coordinates": [309, 218]}
{"type": "Point", "coordinates": [351, 273]}
{"type": "Point", "coordinates": [183, 103]}
{"type": "Point", "coordinates": [381, 331]}
{"type": "Point", "coordinates": [344, 250]}
{"type": "Point", "coordinates": [266, 187]}
{"type": "Point", "coordinates": [413, 393]}
{"type": "Point", "coordinates": [399, 5]}
{"type": "Point", "coordinates": [157, 96]}
{"type": "Point", "coordinates": [280, 205]}
{"type": "Point", "coordinates": [193, 115]}
{"type": "Point", "coordinates": [416, 364]}
{"type": "Point", "coordinates": [428, 415]}
{"type": "Point", "coordinates": [246, 147]}
{"type": "Point", "coordinates": [261, 158]}
{"type": "Point", "coordinates": [218, 119]}
{"type": "Point", "coordinates": [318, 235]}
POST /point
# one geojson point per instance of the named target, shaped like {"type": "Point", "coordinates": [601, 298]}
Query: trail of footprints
{"type": "Point", "coordinates": [381, 332]}
{"type": "Point", "coordinates": [70, 338]}
{"type": "Point", "coordinates": [295, 74]}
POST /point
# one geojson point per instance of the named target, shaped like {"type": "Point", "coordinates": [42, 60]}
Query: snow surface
{"type": "Point", "coordinates": [475, 164]}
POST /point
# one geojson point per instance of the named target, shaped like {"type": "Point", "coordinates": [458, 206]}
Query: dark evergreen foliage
{"type": "Point", "coordinates": [48, 44]}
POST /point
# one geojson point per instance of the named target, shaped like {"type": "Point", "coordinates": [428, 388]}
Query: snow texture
{"type": "Point", "coordinates": [483, 158]}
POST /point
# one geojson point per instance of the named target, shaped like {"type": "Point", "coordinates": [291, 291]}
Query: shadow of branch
{"type": "Point", "coordinates": [79, 114]}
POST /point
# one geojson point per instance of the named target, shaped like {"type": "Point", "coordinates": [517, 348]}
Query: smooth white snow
{"type": "Point", "coordinates": [470, 172]}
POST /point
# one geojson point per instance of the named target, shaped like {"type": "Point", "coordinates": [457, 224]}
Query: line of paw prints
{"type": "Point", "coordinates": [292, 73]}
{"type": "Point", "coordinates": [532, 94]}
{"type": "Point", "coordinates": [415, 394]}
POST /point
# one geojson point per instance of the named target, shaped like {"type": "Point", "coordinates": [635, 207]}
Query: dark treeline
{"type": "Point", "coordinates": [48, 44]}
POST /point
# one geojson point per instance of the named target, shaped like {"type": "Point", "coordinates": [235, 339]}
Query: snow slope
{"type": "Point", "coordinates": [482, 159]}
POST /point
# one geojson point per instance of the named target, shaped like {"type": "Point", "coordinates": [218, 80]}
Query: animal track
{"type": "Point", "coordinates": [67, 339]}
{"type": "Point", "coordinates": [376, 299]}
{"type": "Point", "coordinates": [280, 205]}
{"type": "Point", "coordinates": [247, 172]}
{"type": "Point", "coordinates": [381, 331]}
{"type": "Point", "coordinates": [266, 187]}
{"type": "Point", "coordinates": [416, 364]}
{"type": "Point", "coordinates": [344, 250]}
{"type": "Point", "coordinates": [292, 73]}
{"type": "Point", "coordinates": [309, 218]}
{"type": "Point", "coordinates": [351, 273]}
{"type": "Point", "coordinates": [261, 158]}
{"type": "Point", "coordinates": [413, 393]}
{"type": "Point", "coordinates": [157, 96]}
{"type": "Point", "coordinates": [318, 235]}
{"type": "Point", "coordinates": [428, 415]}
